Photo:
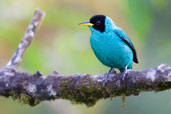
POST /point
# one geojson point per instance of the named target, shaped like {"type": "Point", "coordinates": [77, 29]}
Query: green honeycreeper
{"type": "Point", "coordinates": [110, 44]}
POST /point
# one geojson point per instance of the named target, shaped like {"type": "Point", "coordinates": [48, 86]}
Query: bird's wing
{"type": "Point", "coordinates": [127, 41]}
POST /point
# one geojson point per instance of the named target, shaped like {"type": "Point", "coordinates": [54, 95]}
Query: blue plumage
{"type": "Point", "coordinates": [110, 44]}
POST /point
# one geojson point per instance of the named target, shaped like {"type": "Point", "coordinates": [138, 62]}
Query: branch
{"type": "Point", "coordinates": [79, 88]}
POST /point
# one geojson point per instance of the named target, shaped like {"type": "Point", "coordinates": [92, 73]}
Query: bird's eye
{"type": "Point", "coordinates": [98, 23]}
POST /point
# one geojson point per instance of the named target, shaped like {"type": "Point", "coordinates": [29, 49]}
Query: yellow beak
{"type": "Point", "coordinates": [87, 23]}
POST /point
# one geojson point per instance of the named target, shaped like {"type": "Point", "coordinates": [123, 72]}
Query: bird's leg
{"type": "Point", "coordinates": [107, 76]}
{"type": "Point", "coordinates": [124, 73]}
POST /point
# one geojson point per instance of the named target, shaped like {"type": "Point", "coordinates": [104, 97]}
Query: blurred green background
{"type": "Point", "coordinates": [60, 44]}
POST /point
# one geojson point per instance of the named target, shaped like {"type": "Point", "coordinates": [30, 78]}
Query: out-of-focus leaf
{"type": "Point", "coordinates": [141, 16]}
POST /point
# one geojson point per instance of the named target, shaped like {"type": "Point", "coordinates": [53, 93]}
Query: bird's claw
{"type": "Point", "coordinates": [123, 75]}
{"type": "Point", "coordinates": [106, 79]}
{"type": "Point", "coordinates": [112, 71]}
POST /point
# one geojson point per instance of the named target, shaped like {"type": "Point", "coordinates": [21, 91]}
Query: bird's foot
{"type": "Point", "coordinates": [113, 71]}
{"type": "Point", "coordinates": [106, 79]}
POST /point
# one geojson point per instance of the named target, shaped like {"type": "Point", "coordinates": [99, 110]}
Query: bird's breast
{"type": "Point", "coordinates": [111, 50]}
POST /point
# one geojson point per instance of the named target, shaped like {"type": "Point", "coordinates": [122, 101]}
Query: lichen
{"type": "Point", "coordinates": [151, 75]}
{"type": "Point", "coordinates": [6, 85]}
{"type": "Point", "coordinates": [161, 67]}
{"type": "Point", "coordinates": [31, 88]}
{"type": "Point", "coordinates": [50, 89]}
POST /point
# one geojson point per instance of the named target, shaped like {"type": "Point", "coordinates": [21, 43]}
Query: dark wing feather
{"type": "Point", "coordinates": [127, 41]}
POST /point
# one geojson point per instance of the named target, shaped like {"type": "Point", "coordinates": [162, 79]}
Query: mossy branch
{"type": "Point", "coordinates": [79, 88]}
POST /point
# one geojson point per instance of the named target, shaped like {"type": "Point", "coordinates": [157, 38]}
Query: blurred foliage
{"type": "Point", "coordinates": [61, 45]}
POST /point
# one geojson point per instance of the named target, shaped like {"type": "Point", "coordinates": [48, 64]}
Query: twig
{"type": "Point", "coordinates": [26, 40]}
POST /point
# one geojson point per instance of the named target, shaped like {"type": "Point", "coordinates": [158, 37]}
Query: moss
{"type": "Point", "coordinates": [163, 86]}
{"type": "Point", "coordinates": [24, 98]}
{"type": "Point", "coordinates": [88, 95]}
{"type": "Point", "coordinates": [13, 94]}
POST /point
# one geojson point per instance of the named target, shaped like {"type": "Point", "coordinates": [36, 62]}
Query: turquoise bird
{"type": "Point", "coordinates": [110, 44]}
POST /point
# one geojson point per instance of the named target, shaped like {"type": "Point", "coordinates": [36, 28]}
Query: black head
{"type": "Point", "coordinates": [98, 22]}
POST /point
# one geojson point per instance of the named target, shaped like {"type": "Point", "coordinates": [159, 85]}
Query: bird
{"type": "Point", "coordinates": [111, 45]}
